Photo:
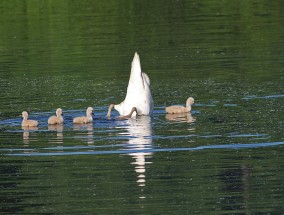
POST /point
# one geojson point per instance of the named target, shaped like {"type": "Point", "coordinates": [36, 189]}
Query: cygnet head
{"type": "Point", "coordinates": [58, 112]}
{"type": "Point", "coordinates": [89, 110]}
{"type": "Point", "coordinates": [189, 101]}
{"type": "Point", "coordinates": [25, 114]}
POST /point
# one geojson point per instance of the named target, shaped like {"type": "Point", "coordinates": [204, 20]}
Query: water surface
{"type": "Point", "coordinates": [225, 157]}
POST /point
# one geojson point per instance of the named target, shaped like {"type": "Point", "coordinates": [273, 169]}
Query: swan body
{"type": "Point", "coordinates": [27, 122]}
{"type": "Point", "coordinates": [138, 93]}
{"type": "Point", "coordinates": [84, 119]}
{"type": "Point", "coordinates": [179, 108]}
{"type": "Point", "coordinates": [58, 119]}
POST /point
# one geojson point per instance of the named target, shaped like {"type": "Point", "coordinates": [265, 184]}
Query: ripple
{"type": "Point", "coordinates": [263, 97]}
{"type": "Point", "coordinates": [248, 135]}
{"type": "Point", "coordinates": [230, 105]}
{"type": "Point", "coordinates": [147, 150]}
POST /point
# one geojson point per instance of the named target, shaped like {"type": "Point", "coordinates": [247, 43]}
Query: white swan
{"type": "Point", "coordinates": [179, 108]}
{"type": "Point", "coordinates": [138, 93]}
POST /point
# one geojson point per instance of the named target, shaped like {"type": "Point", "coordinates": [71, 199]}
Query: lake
{"type": "Point", "coordinates": [225, 157]}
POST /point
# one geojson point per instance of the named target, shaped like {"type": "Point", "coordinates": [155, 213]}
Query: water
{"type": "Point", "coordinates": [225, 157]}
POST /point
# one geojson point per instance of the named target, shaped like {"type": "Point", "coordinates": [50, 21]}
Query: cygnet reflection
{"type": "Point", "coordinates": [58, 128]}
{"type": "Point", "coordinates": [181, 117]}
{"type": "Point", "coordinates": [82, 129]}
{"type": "Point", "coordinates": [26, 134]}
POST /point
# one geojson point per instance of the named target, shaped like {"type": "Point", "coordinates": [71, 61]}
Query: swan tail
{"type": "Point", "coordinates": [135, 67]}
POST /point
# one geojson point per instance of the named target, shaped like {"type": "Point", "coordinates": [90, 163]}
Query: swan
{"type": "Point", "coordinates": [26, 122]}
{"type": "Point", "coordinates": [84, 119]}
{"type": "Point", "coordinates": [181, 109]}
{"type": "Point", "coordinates": [138, 93]}
{"type": "Point", "coordinates": [58, 119]}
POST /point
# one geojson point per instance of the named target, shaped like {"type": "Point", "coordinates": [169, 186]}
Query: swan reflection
{"type": "Point", "coordinates": [59, 135]}
{"type": "Point", "coordinates": [26, 133]}
{"type": "Point", "coordinates": [140, 131]}
{"type": "Point", "coordinates": [180, 117]}
{"type": "Point", "coordinates": [90, 132]}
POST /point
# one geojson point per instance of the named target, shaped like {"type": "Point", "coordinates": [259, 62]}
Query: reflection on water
{"type": "Point", "coordinates": [74, 54]}
{"type": "Point", "coordinates": [59, 133]}
{"type": "Point", "coordinates": [140, 133]}
{"type": "Point", "coordinates": [26, 134]}
{"type": "Point", "coordinates": [236, 180]}
{"type": "Point", "coordinates": [89, 128]}
{"type": "Point", "coordinates": [181, 117]}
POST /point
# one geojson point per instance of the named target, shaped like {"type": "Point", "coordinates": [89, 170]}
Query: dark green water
{"type": "Point", "coordinates": [226, 157]}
